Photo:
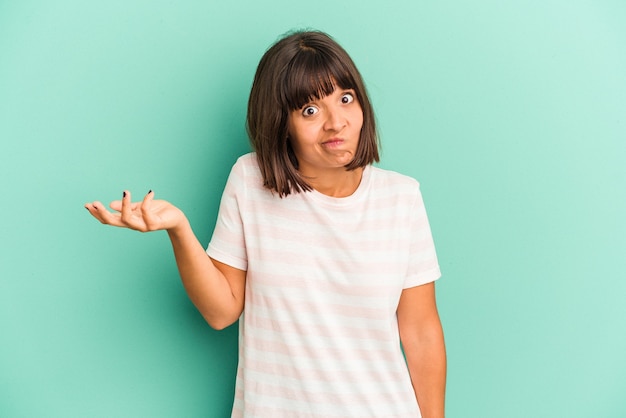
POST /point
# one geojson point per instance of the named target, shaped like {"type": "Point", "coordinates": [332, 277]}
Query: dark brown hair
{"type": "Point", "coordinates": [301, 67]}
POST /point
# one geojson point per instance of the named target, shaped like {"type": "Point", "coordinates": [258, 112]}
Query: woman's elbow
{"type": "Point", "coordinates": [221, 322]}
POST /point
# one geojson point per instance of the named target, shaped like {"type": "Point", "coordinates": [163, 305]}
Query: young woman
{"type": "Point", "coordinates": [327, 261]}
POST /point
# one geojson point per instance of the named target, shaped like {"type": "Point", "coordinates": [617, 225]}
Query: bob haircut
{"type": "Point", "coordinates": [301, 67]}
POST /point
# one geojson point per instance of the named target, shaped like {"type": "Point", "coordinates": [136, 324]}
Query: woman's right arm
{"type": "Point", "coordinates": [216, 289]}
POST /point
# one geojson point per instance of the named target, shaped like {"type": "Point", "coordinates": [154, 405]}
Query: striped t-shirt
{"type": "Point", "coordinates": [319, 333]}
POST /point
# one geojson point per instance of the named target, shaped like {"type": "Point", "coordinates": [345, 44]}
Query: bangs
{"type": "Point", "coordinates": [302, 67]}
{"type": "Point", "coordinates": [313, 75]}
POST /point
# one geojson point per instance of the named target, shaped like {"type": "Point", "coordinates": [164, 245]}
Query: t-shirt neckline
{"type": "Point", "coordinates": [347, 200]}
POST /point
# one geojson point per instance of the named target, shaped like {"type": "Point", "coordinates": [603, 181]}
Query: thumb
{"type": "Point", "coordinates": [116, 205]}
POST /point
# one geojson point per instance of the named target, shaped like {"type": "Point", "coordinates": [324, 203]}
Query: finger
{"type": "Point", "coordinates": [146, 213]}
{"type": "Point", "coordinates": [90, 208]}
{"type": "Point", "coordinates": [94, 209]}
{"type": "Point", "coordinates": [130, 213]}
{"type": "Point", "coordinates": [98, 211]}
{"type": "Point", "coordinates": [116, 205]}
{"type": "Point", "coordinates": [126, 210]}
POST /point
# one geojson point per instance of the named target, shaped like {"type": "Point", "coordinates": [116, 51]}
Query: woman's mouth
{"type": "Point", "coordinates": [333, 143]}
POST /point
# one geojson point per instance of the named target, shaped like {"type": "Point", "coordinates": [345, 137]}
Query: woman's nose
{"type": "Point", "coordinates": [335, 120]}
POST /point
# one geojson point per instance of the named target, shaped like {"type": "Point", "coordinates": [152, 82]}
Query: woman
{"type": "Point", "coordinates": [332, 257]}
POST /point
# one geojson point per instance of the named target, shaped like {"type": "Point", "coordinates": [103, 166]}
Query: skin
{"type": "Point", "coordinates": [423, 343]}
{"type": "Point", "coordinates": [324, 135]}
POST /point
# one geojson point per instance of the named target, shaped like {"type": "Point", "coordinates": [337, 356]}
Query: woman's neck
{"type": "Point", "coordinates": [337, 183]}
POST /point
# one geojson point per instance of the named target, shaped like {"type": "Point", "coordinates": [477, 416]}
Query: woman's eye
{"type": "Point", "coordinates": [347, 98]}
{"type": "Point", "coordinates": [309, 111]}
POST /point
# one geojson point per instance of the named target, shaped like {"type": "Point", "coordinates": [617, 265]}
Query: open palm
{"type": "Point", "coordinates": [144, 216]}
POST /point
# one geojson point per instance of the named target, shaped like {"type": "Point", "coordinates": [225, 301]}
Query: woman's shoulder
{"type": "Point", "coordinates": [384, 178]}
{"type": "Point", "coordinates": [247, 166]}
{"type": "Point", "coordinates": [245, 175]}
{"type": "Point", "coordinates": [392, 186]}
{"type": "Point", "coordinates": [248, 160]}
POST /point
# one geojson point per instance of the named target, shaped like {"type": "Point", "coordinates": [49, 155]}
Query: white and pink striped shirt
{"type": "Point", "coordinates": [319, 333]}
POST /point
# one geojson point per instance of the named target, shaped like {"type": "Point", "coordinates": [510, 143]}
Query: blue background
{"type": "Point", "coordinates": [511, 115]}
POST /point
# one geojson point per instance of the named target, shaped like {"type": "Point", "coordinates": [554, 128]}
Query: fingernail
{"type": "Point", "coordinates": [124, 194]}
{"type": "Point", "coordinates": [150, 191]}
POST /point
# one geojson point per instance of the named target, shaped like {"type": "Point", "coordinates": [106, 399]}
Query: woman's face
{"type": "Point", "coordinates": [324, 133]}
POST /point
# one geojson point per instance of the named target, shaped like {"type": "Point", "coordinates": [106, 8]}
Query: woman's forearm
{"type": "Point", "coordinates": [218, 294]}
{"type": "Point", "coordinates": [422, 339]}
{"type": "Point", "coordinates": [426, 359]}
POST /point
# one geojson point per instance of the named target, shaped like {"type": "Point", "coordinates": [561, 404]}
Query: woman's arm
{"type": "Point", "coordinates": [216, 289]}
{"type": "Point", "coordinates": [422, 339]}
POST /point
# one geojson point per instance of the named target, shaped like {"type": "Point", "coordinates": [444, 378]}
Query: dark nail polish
{"type": "Point", "coordinates": [150, 191]}
{"type": "Point", "coordinates": [124, 194]}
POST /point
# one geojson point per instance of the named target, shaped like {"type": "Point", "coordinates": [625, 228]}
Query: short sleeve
{"type": "Point", "coordinates": [228, 242]}
{"type": "Point", "coordinates": [423, 265]}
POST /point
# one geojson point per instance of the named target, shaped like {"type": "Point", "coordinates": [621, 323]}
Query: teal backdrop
{"type": "Point", "coordinates": [512, 115]}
